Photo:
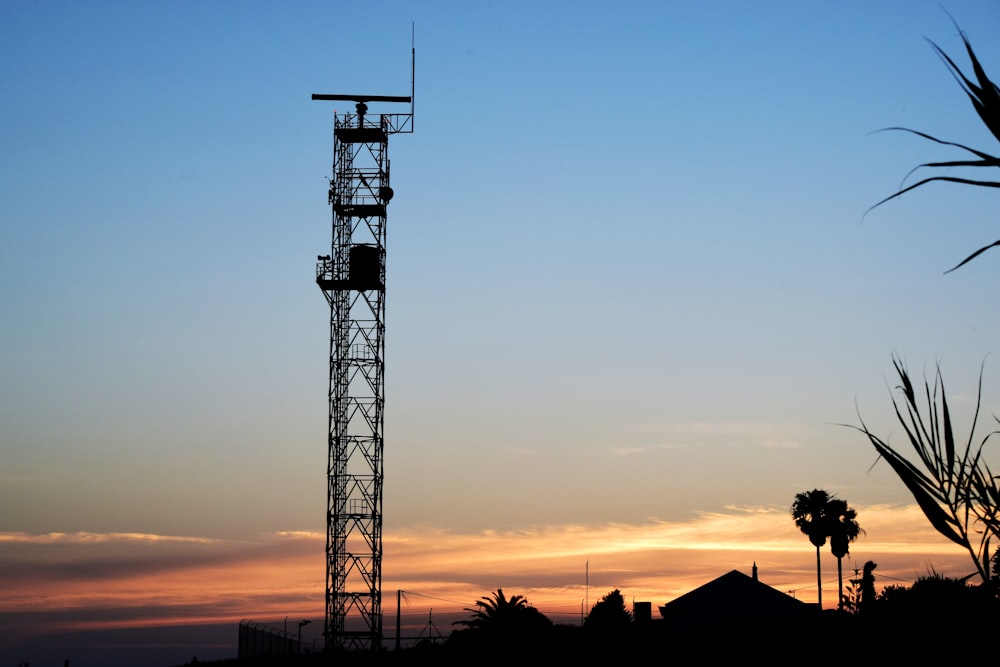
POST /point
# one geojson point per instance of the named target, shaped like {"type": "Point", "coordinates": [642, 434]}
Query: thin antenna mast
{"type": "Point", "coordinates": [413, 71]}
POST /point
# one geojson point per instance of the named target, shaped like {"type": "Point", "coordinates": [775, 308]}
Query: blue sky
{"type": "Point", "coordinates": [629, 277]}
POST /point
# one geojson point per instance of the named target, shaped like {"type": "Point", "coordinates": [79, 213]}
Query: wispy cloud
{"type": "Point", "coordinates": [779, 444]}
{"type": "Point", "coordinates": [98, 538]}
{"type": "Point", "coordinates": [645, 449]}
{"type": "Point", "coordinates": [784, 435]}
{"type": "Point", "coordinates": [301, 534]}
{"type": "Point", "coordinates": [657, 560]}
{"type": "Point", "coordinates": [116, 579]}
{"type": "Point", "coordinates": [522, 451]}
{"type": "Point", "coordinates": [737, 428]}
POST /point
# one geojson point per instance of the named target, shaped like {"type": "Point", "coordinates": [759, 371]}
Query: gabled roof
{"type": "Point", "coordinates": [733, 596]}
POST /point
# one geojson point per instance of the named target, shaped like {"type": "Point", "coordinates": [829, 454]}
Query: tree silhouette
{"type": "Point", "coordinates": [499, 619]}
{"type": "Point", "coordinates": [985, 98]}
{"type": "Point", "coordinates": [844, 529]}
{"type": "Point", "coordinates": [493, 610]}
{"type": "Point", "coordinates": [609, 614]}
{"type": "Point", "coordinates": [811, 514]}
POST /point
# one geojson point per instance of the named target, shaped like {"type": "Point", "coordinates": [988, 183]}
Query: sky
{"type": "Point", "coordinates": [633, 296]}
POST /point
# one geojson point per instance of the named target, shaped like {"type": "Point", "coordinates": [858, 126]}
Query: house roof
{"type": "Point", "coordinates": [733, 596]}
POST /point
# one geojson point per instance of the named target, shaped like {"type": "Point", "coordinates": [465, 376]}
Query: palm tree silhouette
{"type": "Point", "coordinates": [499, 623]}
{"type": "Point", "coordinates": [497, 614]}
{"type": "Point", "coordinates": [843, 529]}
{"type": "Point", "coordinates": [494, 610]}
{"type": "Point", "coordinates": [810, 512]}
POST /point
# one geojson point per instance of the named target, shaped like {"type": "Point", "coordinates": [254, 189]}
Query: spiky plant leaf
{"type": "Point", "coordinates": [949, 436]}
{"type": "Point", "coordinates": [985, 98]}
{"type": "Point", "coordinates": [932, 179]}
{"type": "Point", "coordinates": [973, 256]}
{"type": "Point", "coordinates": [956, 490]}
{"type": "Point", "coordinates": [919, 488]}
{"type": "Point", "coordinates": [915, 431]}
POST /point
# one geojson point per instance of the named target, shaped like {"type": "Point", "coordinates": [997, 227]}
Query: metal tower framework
{"type": "Point", "coordinates": [352, 278]}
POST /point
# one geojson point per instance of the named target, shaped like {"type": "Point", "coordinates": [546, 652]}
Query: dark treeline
{"type": "Point", "coordinates": [937, 618]}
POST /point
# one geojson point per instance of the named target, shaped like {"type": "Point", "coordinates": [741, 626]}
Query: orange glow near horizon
{"type": "Point", "coordinates": [91, 581]}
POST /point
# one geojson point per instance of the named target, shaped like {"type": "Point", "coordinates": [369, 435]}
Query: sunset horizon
{"type": "Point", "coordinates": [200, 581]}
{"type": "Point", "coordinates": [645, 273]}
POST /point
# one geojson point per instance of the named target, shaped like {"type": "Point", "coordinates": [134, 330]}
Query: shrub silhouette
{"type": "Point", "coordinates": [608, 615]}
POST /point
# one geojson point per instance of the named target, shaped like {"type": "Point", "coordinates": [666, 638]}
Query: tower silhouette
{"type": "Point", "coordinates": [352, 278]}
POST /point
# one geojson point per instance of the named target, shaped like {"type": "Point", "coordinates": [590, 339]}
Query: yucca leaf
{"type": "Point", "coordinates": [986, 487]}
{"type": "Point", "coordinates": [978, 153]}
{"type": "Point", "coordinates": [949, 179]}
{"type": "Point", "coordinates": [933, 437]}
{"type": "Point", "coordinates": [931, 509]}
{"type": "Point", "coordinates": [956, 491]}
{"type": "Point", "coordinates": [913, 425]}
{"type": "Point", "coordinates": [992, 162]}
{"type": "Point", "coordinates": [915, 442]}
{"type": "Point", "coordinates": [949, 436]}
{"type": "Point", "coordinates": [904, 377]}
{"type": "Point", "coordinates": [913, 473]}
{"type": "Point", "coordinates": [973, 256]}
{"type": "Point", "coordinates": [986, 555]}
{"type": "Point", "coordinates": [920, 486]}
{"type": "Point", "coordinates": [983, 96]}
{"type": "Point", "coordinates": [915, 478]}
{"type": "Point", "coordinates": [988, 104]}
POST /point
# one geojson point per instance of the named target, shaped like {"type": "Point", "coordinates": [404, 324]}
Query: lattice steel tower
{"type": "Point", "coordinates": [352, 278]}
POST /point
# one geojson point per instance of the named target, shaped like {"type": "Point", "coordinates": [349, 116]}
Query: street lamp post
{"type": "Point", "coordinates": [301, 623]}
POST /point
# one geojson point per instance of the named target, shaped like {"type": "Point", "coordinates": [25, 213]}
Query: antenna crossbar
{"type": "Point", "coordinates": [363, 98]}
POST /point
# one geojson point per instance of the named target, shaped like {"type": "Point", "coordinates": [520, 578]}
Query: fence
{"type": "Point", "coordinates": [257, 639]}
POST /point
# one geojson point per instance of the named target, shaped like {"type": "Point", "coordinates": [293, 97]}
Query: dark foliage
{"type": "Point", "coordinates": [938, 606]}
{"type": "Point", "coordinates": [936, 619]}
{"type": "Point", "coordinates": [985, 98]}
{"type": "Point", "coordinates": [499, 621]}
{"type": "Point", "coordinates": [810, 511]}
{"type": "Point", "coordinates": [948, 476]}
{"type": "Point", "coordinates": [608, 615]}
{"type": "Point", "coordinates": [812, 514]}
